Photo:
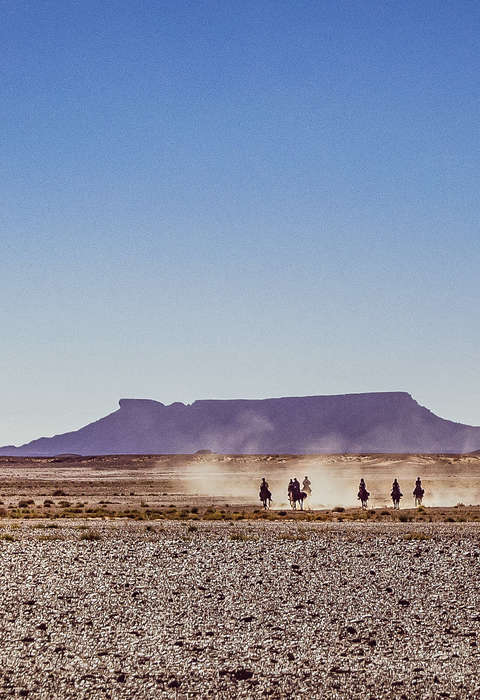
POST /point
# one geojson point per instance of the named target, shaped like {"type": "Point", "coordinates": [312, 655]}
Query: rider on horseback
{"type": "Point", "coordinates": [264, 488]}
{"type": "Point", "coordinates": [296, 488]}
{"type": "Point", "coordinates": [295, 495]}
{"type": "Point", "coordinates": [418, 490]}
{"type": "Point", "coordinates": [291, 489]}
{"type": "Point", "coordinates": [363, 494]}
{"type": "Point", "coordinates": [307, 486]}
{"type": "Point", "coordinates": [265, 494]}
{"type": "Point", "coordinates": [396, 493]}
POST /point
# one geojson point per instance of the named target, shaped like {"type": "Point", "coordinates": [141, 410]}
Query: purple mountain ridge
{"type": "Point", "coordinates": [388, 422]}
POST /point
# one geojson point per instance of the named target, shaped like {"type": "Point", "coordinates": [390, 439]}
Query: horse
{"type": "Point", "coordinates": [297, 497]}
{"type": "Point", "coordinates": [265, 497]}
{"type": "Point", "coordinates": [418, 493]}
{"type": "Point", "coordinates": [396, 496]}
{"type": "Point", "coordinates": [363, 495]}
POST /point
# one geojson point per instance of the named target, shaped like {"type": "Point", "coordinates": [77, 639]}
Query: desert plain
{"type": "Point", "coordinates": [160, 576]}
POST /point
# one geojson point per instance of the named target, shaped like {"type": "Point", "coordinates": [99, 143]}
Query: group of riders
{"type": "Point", "coordinates": [395, 493]}
{"type": "Point", "coordinates": [297, 494]}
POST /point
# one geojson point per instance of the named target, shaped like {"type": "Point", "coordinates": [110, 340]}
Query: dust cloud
{"type": "Point", "coordinates": [334, 478]}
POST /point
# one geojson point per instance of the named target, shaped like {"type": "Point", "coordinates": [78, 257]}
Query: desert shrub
{"type": "Point", "coordinates": [3, 512]}
{"type": "Point", "coordinates": [192, 528]}
{"type": "Point", "coordinates": [194, 509]}
{"type": "Point", "coordinates": [213, 516]}
{"type": "Point", "coordinates": [47, 503]}
{"type": "Point", "coordinates": [449, 519]}
{"type": "Point", "coordinates": [90, 536]}
{"type": "Point", "coordinates": [240, 537]}
{"type": "Point", "coordinates": [59, 492]}
{"type": "Point", "coordinates": [7, 537]}
{"type": "Point", "coordinates": [339, 509]}
{"type": "Point", "coordinates": [416, 536]}
{"type": "Point", "coordinates": [403, 518]}
{"type": "Point", "coordinates": [384, 512]}
{"type": "Point", "coordinates": [25, 503]}
{"type": "Point", "coordinates": [282, 512]}
{"type": "Point", "coordinates": [293, 537]}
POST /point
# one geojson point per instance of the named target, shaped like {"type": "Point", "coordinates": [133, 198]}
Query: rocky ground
{"type": "Point", "coordinates": [122, 609]}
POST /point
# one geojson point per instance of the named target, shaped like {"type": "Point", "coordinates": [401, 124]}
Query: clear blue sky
{"type": "Point", "coordinates": [237, 199]}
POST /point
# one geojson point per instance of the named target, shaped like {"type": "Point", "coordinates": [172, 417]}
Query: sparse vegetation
{"type": "Point", "coordinates": [90, 536]}
{"type": "Point", "coordinates": [241, 537]}
{"type": "Point", "coordinates": [416, 536]}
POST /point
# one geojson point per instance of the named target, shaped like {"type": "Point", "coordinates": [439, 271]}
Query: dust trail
{"type": "Point", "coordinates": [334, 478]}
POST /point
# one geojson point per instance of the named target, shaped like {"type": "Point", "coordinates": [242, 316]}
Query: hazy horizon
{"type": "Point", "coordinates": [189, 403]}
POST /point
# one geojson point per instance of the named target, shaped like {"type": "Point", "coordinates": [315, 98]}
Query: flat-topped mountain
{"type": "Point", "coordinates": [374, 422]}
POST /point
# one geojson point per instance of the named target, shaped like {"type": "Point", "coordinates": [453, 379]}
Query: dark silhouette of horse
{"type": "Point", "coordinates": [297, 497]}
{"type": "Point", "coordinates": [418, 492]}
{"type": "Point", "coordinates": [363, 494]}
{"type": "Point", "coordinates": [265, 496]}
{"type": "Point", "coordinates": [396, 494]}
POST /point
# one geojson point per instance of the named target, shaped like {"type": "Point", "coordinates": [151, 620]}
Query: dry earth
{"type": "Point", "coordinates": [203, 480]}
{"type": "Point", "coordinates": [239, 610]}
{"type": "Point", "coordinates": [209, 600]}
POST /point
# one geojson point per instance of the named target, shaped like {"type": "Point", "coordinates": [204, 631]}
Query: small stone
{"type": "Point", "coordinates": [242, 674]}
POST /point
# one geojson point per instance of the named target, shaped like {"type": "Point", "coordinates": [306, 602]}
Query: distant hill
{"type": "Point", "coordinates": [375, 422]}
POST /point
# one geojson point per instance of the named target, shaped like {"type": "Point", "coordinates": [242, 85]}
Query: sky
{"type": "Point", "coordinates": [236, 200]}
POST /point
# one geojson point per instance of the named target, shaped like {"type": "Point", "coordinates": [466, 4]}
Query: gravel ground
{"type": "Point", "coordinates": [254, 609]}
